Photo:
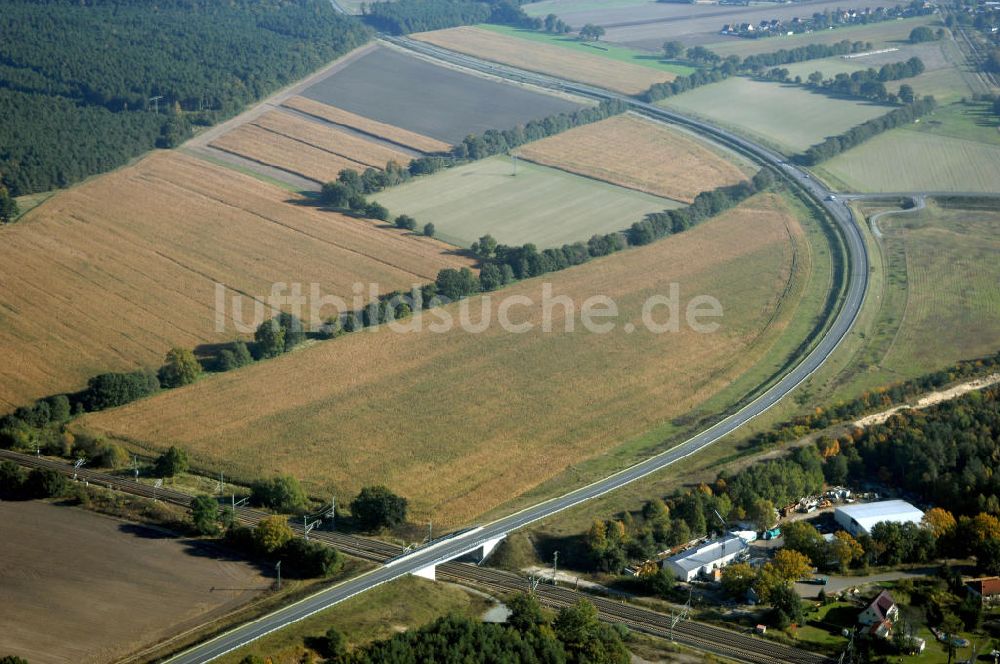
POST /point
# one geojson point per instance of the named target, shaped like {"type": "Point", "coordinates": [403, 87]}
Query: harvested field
{"type": "Point", "coordinates": [277, 150]}
{"type": "Point", "coordinates": [461, 422]}
{"type": "Point", "coordinates": [543, 205]}
{"type": "Point", "coordinates": [402, 90]}
{"type": "Point", "coordinates": [547, 59]}
{"type": "Point", "coordinates": [81, 588]}
{"type": "Point", "coordinates": [330, 139]}
{"type": "Point", "coordinates": [637, 153]}
{"type": "Point", "coordinates": [788, 117]}
{"type": "Point", "coordinates": [904, 159]}
{"type": "Point", "coordinates": [366, 125]}
{"type": "Point", "coordinates": [109, 275]}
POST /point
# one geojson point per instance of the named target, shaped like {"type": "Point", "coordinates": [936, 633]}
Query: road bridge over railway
{"type": "Point", "coordinates": [477, 548]}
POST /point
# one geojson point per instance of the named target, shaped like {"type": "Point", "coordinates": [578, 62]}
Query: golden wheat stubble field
{"type": "Point", "coordinates": [333, 140]}
{"type": "Point", "coordinates": [109, 275]}
{"type": "Point", "coordinates": [388, 132]}
{"type": "Point", "coordinates": [614, 75]}
{"type": "Point", "coordinates": [461, 423]}
{"type": "Point", "coordinates": [637, 153]}
{"type": "Point", "coordinates": [272, 149]}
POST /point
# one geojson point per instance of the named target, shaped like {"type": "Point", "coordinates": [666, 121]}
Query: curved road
{"type": "Point", "coordinates": [449, 548]}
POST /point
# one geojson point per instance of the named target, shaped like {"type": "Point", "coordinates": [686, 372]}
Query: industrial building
{"type": "Point", "coordinates": [860, 518]}
{"type": "Point", "coordinates": [710, 556]}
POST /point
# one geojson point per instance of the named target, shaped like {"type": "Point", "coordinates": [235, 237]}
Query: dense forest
{"type": "Point", "coordinates": [946, 454]}
{"type": "Point", "coordinates": [72, 72]}
{"type": "Point", "coordinates": [405, 16]}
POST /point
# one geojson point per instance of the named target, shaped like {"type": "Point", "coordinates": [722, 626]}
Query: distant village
{"type": "Point", "coordinates": [826, 21]}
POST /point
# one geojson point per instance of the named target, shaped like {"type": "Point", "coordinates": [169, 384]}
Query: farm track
{"type": "Point", "coordinates": [727, 643]}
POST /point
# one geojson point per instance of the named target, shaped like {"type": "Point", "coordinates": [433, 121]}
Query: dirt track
{"type": "Point", "coordinates": [78, 587]}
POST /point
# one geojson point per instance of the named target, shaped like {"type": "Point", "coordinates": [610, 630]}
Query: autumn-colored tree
{"type": "Point", "coordinates": [790, 565]}
{"type": "Point", "coordinates": [272, 533]}
{"type": "Point", "coordinates": [845, 549]}
{"type": "Point", "coordinates": [939, 521]}
{"type": "Point", "coordinates": [981, 527]}
{"type": "Point", "coordinates": [737, 579]}
{"type": "Point", "coordinates": [829, 448]}
{"type": "Point", "coordinates": [648, 569]}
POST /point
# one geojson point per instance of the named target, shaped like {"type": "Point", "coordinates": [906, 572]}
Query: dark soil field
{"type": "Point", "coordinates": [78, 587]}
{"type": "Point", "coordinates": [427, 99]}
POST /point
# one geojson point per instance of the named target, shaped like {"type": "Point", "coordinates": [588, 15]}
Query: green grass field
{"type": "Point", "coordinates": [912, 159]}
{"type": "Point", "coordinates": [542, 205]}
{"type": "Point", "coordinates": [786, 117]}
{"type": "Point", "coordinates": [603, 49]}
{"type": "Point", "coordinates": [952, 286]}
{"type": "Point", "coordinates": [934, 300]}
{"type": "Point", "coordinates": [881, 35]}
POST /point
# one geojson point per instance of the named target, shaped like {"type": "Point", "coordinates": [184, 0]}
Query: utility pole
{"type": "Point", "coordinates": [513, 156]}
{"type": "Point", "coordinates": [333, 512]}
{"type": "Point", "coordinates": [278, 567]}
{"type": "Point", "coordinates": [135, 466]}
{"type": "Point", "coordinates": [222, 483]}
{"type": "Point", "coordinates": [156, 485]}
{"type": "Point", "coordinates": [555, 566]}
{"type": "Point", "coordinates": [156, 103]}
{"type": "Point", "coordinates": [430, 530]}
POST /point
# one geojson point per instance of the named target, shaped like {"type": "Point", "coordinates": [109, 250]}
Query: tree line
{"type": "Point", "coordinates": [69, 113]}
{"type": "Point", "coordinates": [869, 83]}
{"type": "Point", "coordinates": [531, 635]}
{"type": "Point", "coordinates": [854, 136]}
{"type": "Point", "coordinates": [785, 56]}
{"type": "Point", "coordinates": [402, 17]}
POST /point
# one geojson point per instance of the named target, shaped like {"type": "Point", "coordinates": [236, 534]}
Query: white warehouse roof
{"type": "Point", "coordinates": [861, 517]}
{"type": "Point", "coordinates": [710, 555]}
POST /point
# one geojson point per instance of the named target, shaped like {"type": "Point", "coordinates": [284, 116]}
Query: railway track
{"type": "Point", "coordinates": [723, 642]}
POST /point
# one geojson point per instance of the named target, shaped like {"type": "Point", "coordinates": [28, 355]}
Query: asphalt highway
{"type": "Point", "coordinates": [466, 541]}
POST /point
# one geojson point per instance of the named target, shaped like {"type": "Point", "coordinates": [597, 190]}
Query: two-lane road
{"type": "Point", "coordinates": [850, 306]}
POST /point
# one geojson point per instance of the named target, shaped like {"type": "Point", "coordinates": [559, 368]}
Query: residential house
{"type": "Point", "coordinates": [985, 589]}
{"type": "Point", "coordinates": [879, 616]}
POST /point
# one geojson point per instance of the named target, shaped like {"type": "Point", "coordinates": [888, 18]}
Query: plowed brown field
{"type": "Point", "coordinates": [460, 422]}
{"type": "Point", "coordinates": [366, 125]}
{"type": "Point", "coordinates": [639, 154]}
{"type": "Point", "coordinates": [109, 275]}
